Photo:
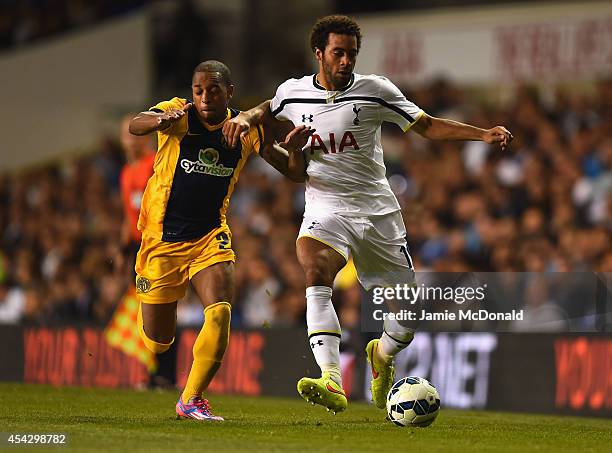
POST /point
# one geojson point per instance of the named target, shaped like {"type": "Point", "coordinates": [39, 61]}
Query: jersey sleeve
{"type": "Point", "coordinates": [276, 104]}
{"type": "Point", "coordinates": [396, 108]}
{"type": "Point", "coordinates": [164, 106]}
{"type": "Point", "coordinates": [254, 139]}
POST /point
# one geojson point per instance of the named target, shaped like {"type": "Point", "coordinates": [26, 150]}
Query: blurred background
{"type": "Point", "coordinates": [72, 69]}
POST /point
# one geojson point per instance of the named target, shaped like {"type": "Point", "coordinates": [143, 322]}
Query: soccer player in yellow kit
{"type": "Point", "coordinates": [185, 236]}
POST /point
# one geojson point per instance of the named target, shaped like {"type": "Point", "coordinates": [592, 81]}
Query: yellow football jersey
{"type": "Point", "coordinates": [194, 176]}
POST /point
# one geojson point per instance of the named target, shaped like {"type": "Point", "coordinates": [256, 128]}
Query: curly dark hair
{"type": "Point", "coordinates": [341, 25]}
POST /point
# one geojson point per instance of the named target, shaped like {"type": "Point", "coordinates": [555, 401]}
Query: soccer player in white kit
{"type": "Point", "coordinates": [350, 208]}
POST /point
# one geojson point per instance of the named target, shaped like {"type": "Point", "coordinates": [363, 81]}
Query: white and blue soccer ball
{"type": "Point", "coordinates": [413, 401]}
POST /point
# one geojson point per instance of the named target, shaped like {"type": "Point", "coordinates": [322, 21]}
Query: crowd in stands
{"type": "Point", "coordinates": [23, 22]}
{"type": "Point", "coordinates": [543, 206]}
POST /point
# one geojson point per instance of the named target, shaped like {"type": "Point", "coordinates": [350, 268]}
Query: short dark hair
{"type": "Point", "coordinates": [215, 66]}
{"type": "Point", "coordinates": [341, 25]}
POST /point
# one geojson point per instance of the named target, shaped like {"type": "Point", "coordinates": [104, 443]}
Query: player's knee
{"type": "Point", "coordinates": [156, 342]}
{"type": "Point", "coordinates": [219, 313]}
{"type": "Point", "coordinates": [155, 346]}
{"type": "Point", "coordinates": [217, 318]}
{"type": "Point", "coordinates": [318, 276]}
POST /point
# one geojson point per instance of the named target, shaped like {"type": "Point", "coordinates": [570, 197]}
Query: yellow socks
{"type": "Point", "coordinates": [208, 349]}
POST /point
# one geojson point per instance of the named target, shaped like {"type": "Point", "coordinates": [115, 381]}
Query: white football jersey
{"type": "Point", "coordinates": [346, 171]}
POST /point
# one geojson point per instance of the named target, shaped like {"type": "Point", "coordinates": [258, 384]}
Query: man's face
{"type": "Point", "coordinates": [338, 59]}
{"type": "Point", "coordinates": [211, 96]}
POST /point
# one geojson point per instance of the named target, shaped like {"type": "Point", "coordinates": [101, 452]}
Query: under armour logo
{"type": "Point", "coordinates": [309, 118]}
{"type": "Point", "coordinates": [356, 111]}
{"type": "Point", "coordinates": [316, 343]}
{"type": "Point", "coordinates": [313, 224]}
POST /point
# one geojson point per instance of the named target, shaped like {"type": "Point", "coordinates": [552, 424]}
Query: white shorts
{"type": "Point", "coordinates": [377, 245]}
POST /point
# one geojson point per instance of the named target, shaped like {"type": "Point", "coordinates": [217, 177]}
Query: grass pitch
{"type": "Point", "coordinates": [100, 420]}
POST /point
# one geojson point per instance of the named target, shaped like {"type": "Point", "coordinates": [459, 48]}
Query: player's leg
{"type": "Point", "coordinates": [212, 275]}
{"type": "Point", "coordinates": [383, 260]}
{"type": "Point", "coordinates": [157, 325]}
{"type": "Point", "coordinates": [162, 270]}
{"type": "Point", "coordinates": [160, 282]}
{"type": "Point", "coordinates": [321, 261]}
{"type": "Point", "coordinates": [164, 374]}
{"type": "Point", "coordinates": [380, 354]}
{"type": "Point", "coordinates": [215, 288]}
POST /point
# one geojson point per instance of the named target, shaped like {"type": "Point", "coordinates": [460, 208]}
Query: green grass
{"type": "Point", "coordinates": [129, 421]}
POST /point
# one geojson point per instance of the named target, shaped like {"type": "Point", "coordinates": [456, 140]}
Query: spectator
{"type": "Point", "coordinates": [543, 206]}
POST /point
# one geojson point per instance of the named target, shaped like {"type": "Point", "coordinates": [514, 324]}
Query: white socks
{"type": "Point", "coordinates": [395, 337]}
{"type": "Point", "coordinates": [323, 330]}
{"type": "Point", "coordinates": [324, 333]}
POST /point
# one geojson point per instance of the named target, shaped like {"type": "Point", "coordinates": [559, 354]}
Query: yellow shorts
{"type": "Point", "coordinates": [163, 269]}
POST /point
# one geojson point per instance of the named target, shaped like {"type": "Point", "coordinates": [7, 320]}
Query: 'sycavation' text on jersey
{"type": "Point", "coordinates": [194, 176]}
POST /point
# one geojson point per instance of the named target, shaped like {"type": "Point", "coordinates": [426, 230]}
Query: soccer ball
{"type": "Point", "coordinates": [413, 401]}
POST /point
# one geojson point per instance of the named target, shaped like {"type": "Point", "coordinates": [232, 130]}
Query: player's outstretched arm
{"type": "Point", "coordinates": [238, 127]}
{"type": "Point", "coordinates": [287, 157]}
{"type": "Point", "coordinates": [442, 129]}
{"type": "Point", "coordinates": [146, 122]}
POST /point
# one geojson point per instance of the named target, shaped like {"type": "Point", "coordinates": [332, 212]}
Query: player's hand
{"type": "Point", "coordinates": [498, 134]}
{"type": "Point", "coordinates": [165, 119]}
{"type": "Point", "coordinates": [234, 129]}
{"type": "Point", "coordinates": [297, 138]}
